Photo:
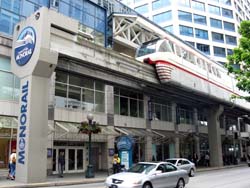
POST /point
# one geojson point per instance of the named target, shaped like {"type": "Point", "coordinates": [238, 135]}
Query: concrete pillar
{"type": "Point", "coordinates": [110, 145]}
{"type": "Point", "coordinates": [176, 138]}
{"type": "Point", "coordinates": [148, 148]}
{"type": "Point", "coordinates": [196, 131]}
{"type": "Point", "coordinates": [214, 135]}
{"type": "Point", "coordinates": [109, 101]}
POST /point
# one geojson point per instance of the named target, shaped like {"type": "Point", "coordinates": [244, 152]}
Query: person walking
{"type": "Point", "coordinates": [207, 158]}
{"type": "Point", "coordinates": [12, 165]}
{"type": "Point", "coordinates": [61, 163]}
{"type": "Point", "coordinates": [116, 163]}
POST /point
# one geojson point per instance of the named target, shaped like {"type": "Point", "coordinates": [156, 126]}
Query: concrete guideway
{"type": "Point", "coordinates": [76, 179]}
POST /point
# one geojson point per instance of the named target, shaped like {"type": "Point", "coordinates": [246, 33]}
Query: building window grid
{"type": "Point", "coordinates": [217, 37]}
{"type": "Point", "coordinates": [185, 116]}
{"type": "Point", "coordinates": [200, 33]}
{"type": "Point", "coordinates": [200, 19]}
{"type": "Point", "coordinates": [162, 116]}
{"type": "Point", "coordinates": [185, 30]}
{"type": "Point", "coordinates": [186, 16]}
{"type": "Point", "coordinates": [198, 6]}
{"type": "Point", "coordinates": [139, 113]}
{"type": "Point", "coordinates": [81, 102]}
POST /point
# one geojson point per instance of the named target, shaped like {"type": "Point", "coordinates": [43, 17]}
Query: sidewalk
{"type": "Point", "coordinates": [73, 179]}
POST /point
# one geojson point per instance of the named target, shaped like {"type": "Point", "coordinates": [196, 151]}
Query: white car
{"type": "Point", "coordinates": [149, 175]}
{"type": "Point", "coordinates": [184, 164]}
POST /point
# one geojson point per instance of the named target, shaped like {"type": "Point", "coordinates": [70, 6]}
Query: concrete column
{"type": "Point", "coordinates": [196, 131]}
{"type": "Point", "coordinates": [110, 145]}
{"type": "Point", "coordinates": [32, 130]}
{"type": "Point", "coordinates": [109, 108]}
{"type": "Point", "coordinates": [214, 135]}
{"type": "Point", "coordinates": [177, 146]}
{"type": "Point", "coordinates": [176, 139]}
{"type": "Point", "coordinates": [148, 148]}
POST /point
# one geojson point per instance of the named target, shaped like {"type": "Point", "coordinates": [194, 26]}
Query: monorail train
{"type": "Point", "coordinates": [178, 63]}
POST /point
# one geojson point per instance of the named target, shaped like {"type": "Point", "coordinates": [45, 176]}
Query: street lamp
{"type": "Point", "coordinates": [90, 171]}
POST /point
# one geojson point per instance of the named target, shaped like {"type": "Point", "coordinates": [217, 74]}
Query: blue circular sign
{"type": "Point", "coordinates": [124, 143]}
{"type": "Point", "coordinates": [21, 144]}
{"type": "Point", "coordinates": [25, 45]}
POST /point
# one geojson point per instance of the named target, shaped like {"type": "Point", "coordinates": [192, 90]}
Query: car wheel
{"type": "Point", "coordinates": [191, 173]}
{"type": "Point", "coordinates": [147, 185]}
{"type": "Point", "coordinates": [180, 184]}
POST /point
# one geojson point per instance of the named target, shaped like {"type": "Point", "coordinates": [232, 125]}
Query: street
{"type": "Point", "coordinates": [226, 178]}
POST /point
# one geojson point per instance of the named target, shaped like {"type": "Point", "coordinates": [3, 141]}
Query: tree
{"type": "Point", "coordinates": [239, 61]}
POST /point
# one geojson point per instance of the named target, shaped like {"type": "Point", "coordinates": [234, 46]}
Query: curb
{"type": "Point", "coordinates": [50, 184]}
{"type": "Point", "coordinates": [219, 168]}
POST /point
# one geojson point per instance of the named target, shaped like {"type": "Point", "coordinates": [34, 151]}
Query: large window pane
{"type": "Point", "coordinates": [157, 112]}
{"type": "Point", "coordinates": [231, 40]}
{"type": "Point", "coordinates": [199, 33]}
{"type": "Point", "coordinates": [214, 9]}
{"type": "Point", "coordinates": [6, 86]}
{"type": "Point", "coordinates": [80, 81]}
{"type": "Point", "coordinates": [203, 47]}
{"type": "Point", "coordinates": [141, 109]}
{"type": "Point", "coordinates": [87, 100]}
{"type": "Point", "coordinates": [163, 17]}
{"type": "Point", "coordinates": [61, 95]}
{"type": "Point", "coordinates": [200, 19]}
{"type": "Point", "coordinates": [229, 26]}
{"type": "Point", "coordinates": [219, 51]}
{"type": "Point", "coordinates": [160, 4]}
{"type": "Point", "coordinates": [61, 77]}
{"type": "Point", "coordinates": [74, 97]}
{"type": "Point", "coordinates": [124, 106]}
{"type": "Point", "coordinates": [133, 108]}
{"type": "Point", "coordinates": [198, 5]}
{"type": "Point", "coordinates": [184, 30]}
{"type": "Point", "coordinates": [217, 37]}
{"type": "Point", "coordinates": [16, 88]}
{"type": "Point", "coordinates": [215, 23]}
{"type": "Point", "coordinates": [227, 13]}
{"type": "Point", "coordinates": [4, 64]}
{"type": "Point", "coordinates": [99, 102]}
{"type": "Point", "coordinates": [185, 3]}
{"type": "Point", "coordinates": [185, 16]}
{"type": "Point", "coordinates": [142, 9]}
{"type": "Point", "coordinates": [117, 105]}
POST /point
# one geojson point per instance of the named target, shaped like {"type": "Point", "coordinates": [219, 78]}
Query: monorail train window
{"type": "Point", "coordinates": [147, 48]}
{"type": "Point", "coordinates": [165, 47]}
{"type": "Point", "coordinates": [178, 51]}
{"type": "Point", "coordinates": [209, 67]}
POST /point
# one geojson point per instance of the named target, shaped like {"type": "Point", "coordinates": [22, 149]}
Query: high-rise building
{"type": "Point", "coordinates": [210, 26]}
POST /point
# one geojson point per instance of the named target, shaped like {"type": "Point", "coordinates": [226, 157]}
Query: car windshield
{"type": "Point", "coordinates": [142, 168]}
{"type": "Point", "coordinates": [171, 161]}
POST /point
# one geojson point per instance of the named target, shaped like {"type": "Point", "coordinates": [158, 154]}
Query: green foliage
{"type": "Point", "coordinates": [85, 128]}
{"type": "Point", "coordinates": [239, 62]}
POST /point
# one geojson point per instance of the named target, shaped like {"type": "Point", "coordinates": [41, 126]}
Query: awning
{"type": "Point", "coordinates": [138, 133]}
{"type": "Point", "coordinates": [70, 131]}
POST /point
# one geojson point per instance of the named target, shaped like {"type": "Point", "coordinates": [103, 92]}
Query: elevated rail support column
{"type": "Point", "coordinates": [148, 140]}
{"type": "Point", "coordinates": [214, 136]}
{"type": "Point", "coordinates": [176, 139]}
{"type": "Point", "coordinates": [197, 139]}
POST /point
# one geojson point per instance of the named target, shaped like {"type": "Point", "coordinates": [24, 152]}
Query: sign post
{"type": "Point", "coordinates": [33, 62]}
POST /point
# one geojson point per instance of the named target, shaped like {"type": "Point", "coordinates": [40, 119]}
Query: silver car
{"type": "Point", "coordinates": [184, 164]}
{"type": "Point", "coordinates": [149, 175]}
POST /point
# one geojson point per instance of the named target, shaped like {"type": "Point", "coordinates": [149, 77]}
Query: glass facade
{"type": "Point", "coordinates": [184, 116]}
{"type": "Point", "coordinates": [91, 16]}
{"type": "Point", "coordinates": [128, 103]}
{"type": "Point", "coordinates": [227, 13]}
{"type": "Point", "coordinates": [229, 26]}
{"type": "Point", "coordinates": [161, 110]}
{"type": "Point", "coordinates": [214, 9]}
{"type": "Point", "coordinates": [9, 83]}
{"type": "Point", "coordinates": [231, 40]}
{"type": "Point", "coordinates": [76, 92]}
{"type": "Point", "coordinates": [204, 48]}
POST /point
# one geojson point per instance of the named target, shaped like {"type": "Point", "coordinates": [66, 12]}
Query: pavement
{"type": "Point", "coordinates": [79, 178]}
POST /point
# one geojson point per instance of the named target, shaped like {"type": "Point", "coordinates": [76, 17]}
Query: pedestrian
{"type": "Point", "coordinates": [195, 159]}
{"type": "Point", "coordinates": [116, 163]}
{"type": "Point", "coordinates": [12, 165]}
{"type": "Point", "coordinates": [207, 158]}
{"type": "Point", "coordinates": [61, 163]}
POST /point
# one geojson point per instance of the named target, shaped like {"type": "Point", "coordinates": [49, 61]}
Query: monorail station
{"type": "Point", "coordinates": [165, 97]}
